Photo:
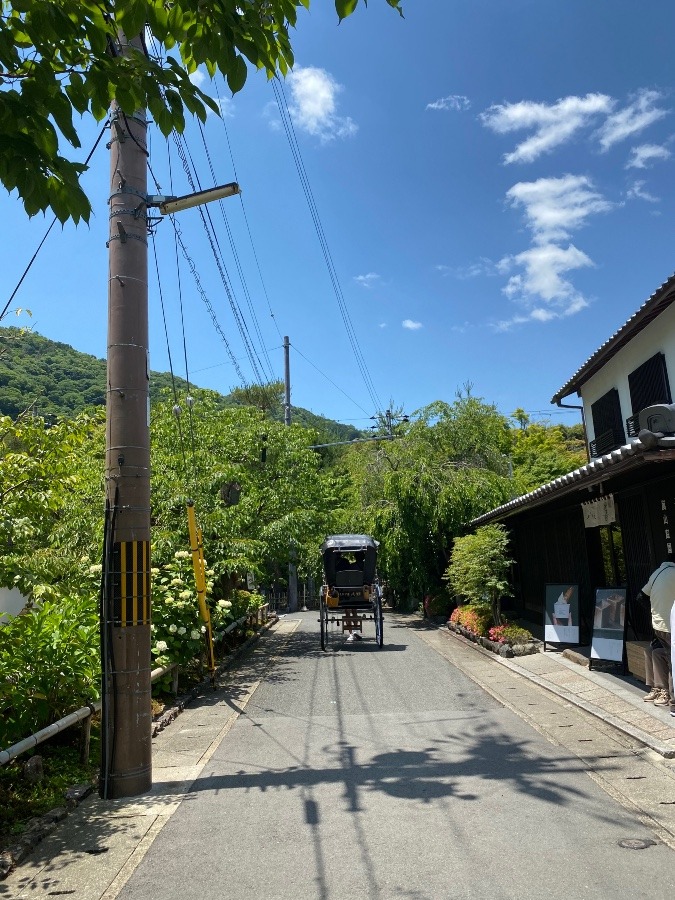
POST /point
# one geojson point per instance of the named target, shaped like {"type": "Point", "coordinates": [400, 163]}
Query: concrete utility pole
{"type": "Point", "coordinates": [126, 759]}
{"type": "Point", "coordinates": [287, 382]}
{"type": "Point", "coordinates": [292, 568]}
{"type": "Point", "coordinates": [127, 714]}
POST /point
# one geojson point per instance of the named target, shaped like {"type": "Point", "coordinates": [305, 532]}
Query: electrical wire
{"type": "Point", "coordinates": [168, 350]}
{"type": "Point", "coordinates": [53, 222]}
{"type": "Point", "coordinates": [210, 232]}
{"type": "Point", "coordinates": [291, 136]}
{"type": "Point", "coordinates": [235, 255]}
{"type": "Point", "coordinates": [330, 380]}
{"type": "Point", "coordinates": [246, 222]}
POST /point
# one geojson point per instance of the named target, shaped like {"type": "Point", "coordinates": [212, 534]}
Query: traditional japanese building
{"type": "Point", "coordinates": [612, 521]}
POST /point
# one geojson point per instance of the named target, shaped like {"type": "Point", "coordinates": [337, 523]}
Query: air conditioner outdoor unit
{"type": "Point", "coordinates": [659, 418]}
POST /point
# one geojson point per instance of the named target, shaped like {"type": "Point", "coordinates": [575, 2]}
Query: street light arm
{"type": "Point", "coordinates": [168, 205]}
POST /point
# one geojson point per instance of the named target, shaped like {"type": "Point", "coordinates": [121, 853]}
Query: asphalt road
{"type": "Point", "coordinates": [389, 774]}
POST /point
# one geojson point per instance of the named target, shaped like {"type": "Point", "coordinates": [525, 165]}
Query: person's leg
{"type": "Point", "coordinates": [652, 690]}
{"type": "Point", "coordinates": [661, 664]}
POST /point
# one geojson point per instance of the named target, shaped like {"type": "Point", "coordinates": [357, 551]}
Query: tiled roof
{"type": "Point", "coordinates": [577, 477]}
{"type": "Point", "coordinates": [649, 310]}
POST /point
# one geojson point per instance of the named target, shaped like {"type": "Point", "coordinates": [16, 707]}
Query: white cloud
{"type": "Point", "coordinates": [197, 78]}
{"type": "Point", "coordinates": [643, 155]}
{"type": "Point", "coordinates": [554, 124]}
{"type": "Point", "coordinates": [541, 287]}
{"type": "Point", "coordinates": [637, 192]}
{"type": "Point", "coordinates": [483, 266]}
{"type": "Point", "coordinates": [456, 102]}
{"type": "Point", "coordinates": [367, 281]}
{"type": "Point", "coordinates": [313, 105]}
{"type": "Point", "coordinates": [555, 207]}
{"type": "Point", "coordinates": [410, 325]}
{"type": "Point", "coordinates": [382, 325]}
{"type": "Point", "coordinates": [634, 118]}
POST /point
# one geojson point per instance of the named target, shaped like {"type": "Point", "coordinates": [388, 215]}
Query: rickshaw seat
{"type": "Point", "coordinates": [349, 578]}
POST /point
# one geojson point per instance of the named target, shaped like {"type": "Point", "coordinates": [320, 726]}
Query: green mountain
{"type": "Point", "coordinates": [53, 379]}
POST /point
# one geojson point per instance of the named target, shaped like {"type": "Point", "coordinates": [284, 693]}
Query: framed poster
{"type": "Point", "coordinates": [561, 614]}
{"type": "Point", "coordinates": [609, 621]}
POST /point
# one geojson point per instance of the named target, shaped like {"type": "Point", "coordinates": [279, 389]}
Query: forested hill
{"type": "Point", "coordinates": [53, 379]}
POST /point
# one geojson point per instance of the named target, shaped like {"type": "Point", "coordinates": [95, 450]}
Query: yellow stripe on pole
{"type": "Point", "coordinates": [132, 583]}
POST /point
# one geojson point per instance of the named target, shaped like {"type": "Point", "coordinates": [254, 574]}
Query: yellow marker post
{"type": "Point", "coordinates": [197, 550]}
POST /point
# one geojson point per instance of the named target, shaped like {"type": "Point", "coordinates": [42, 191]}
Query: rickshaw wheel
{"type": "Point", "coordinates": [379, 622]}
{"type": "Point", "coordinates": [323, 619]}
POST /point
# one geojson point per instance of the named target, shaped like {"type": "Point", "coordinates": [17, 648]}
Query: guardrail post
{"type": "Point", "coordinates": [85, 740]}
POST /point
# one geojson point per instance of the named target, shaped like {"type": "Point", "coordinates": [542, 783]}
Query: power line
{"type": "Point", "coordinates": [330, 380]}
{"type": "Point", "coordinates": [237, 261]}
{"type": "Point", "coordinates": [248, 227]}
{"type": "Point", "coordinates": [291, 136]}
{"type": "Point", "coordinates": [53, 222]}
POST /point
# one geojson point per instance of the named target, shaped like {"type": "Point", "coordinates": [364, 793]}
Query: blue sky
{"type": "Point", "coordinates": [495, 183]}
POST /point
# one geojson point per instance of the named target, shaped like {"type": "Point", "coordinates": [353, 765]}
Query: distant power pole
{"type": "Point", "coordinates": [126, 759]}
{"type": "Point", "coordinates": [292, 568]}
{"type": "Point", "coordinates": [287, 382]}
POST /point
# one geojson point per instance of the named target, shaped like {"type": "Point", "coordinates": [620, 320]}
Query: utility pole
{"type": "Point", "coordinates": [126, 766]}
{"type": "Point", "coordinates": [292, 568]}
{"type": "Point", "coordinates": [287, 382]}
{"type": "Point", "coordinates": [126, 714]}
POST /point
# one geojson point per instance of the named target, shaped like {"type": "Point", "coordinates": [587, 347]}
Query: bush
{"type": "Point", "coordinates": [510, 634]}
{"type": "Point", "coordinates": [473, 617]}
{"type": "Point", "coordinates": [49, 665]}
{"type": "Point", "coordinates": [437, 605]}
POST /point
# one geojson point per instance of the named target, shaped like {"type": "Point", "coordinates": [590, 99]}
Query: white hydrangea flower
{"type": "Point", "coordinates": [181, 554]}
{"type": "Point", "coordinates": [173, 628]}
{"type": "Point", "coordinates": [182, 630]}
{"type": "Point", "coordinates": [203, 629]}
{"type": "Point", "coordinates": [162, 646]}
{"type": "Point", "coordinates": [176, 580]}
{"type": "Point", "coordinates": [96, 569]}
{"type": "Point", "coordinates": [194, 634]}
{"type": "Point", "coordinates": [225, 604]}
{"type": "Point", "coordinates": [185, 595]}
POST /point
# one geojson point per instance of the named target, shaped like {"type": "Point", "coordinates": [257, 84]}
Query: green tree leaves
{"type": "Point", "coordinates": [57, 56]}
{"type": "Point", "coordinates": [479, 567]}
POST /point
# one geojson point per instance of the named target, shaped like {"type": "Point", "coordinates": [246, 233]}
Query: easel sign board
{"type": "Point", "coordinates": [561, 614]}
{"type": "Point", "coordinates": [609, 624]}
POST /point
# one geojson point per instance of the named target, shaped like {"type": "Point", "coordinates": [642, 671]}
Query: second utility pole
{"type": "Point", "coordinates": [292, 569]}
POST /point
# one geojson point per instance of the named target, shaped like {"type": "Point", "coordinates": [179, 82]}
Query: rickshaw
{"type": "Point", "coordinates": [350, 593]}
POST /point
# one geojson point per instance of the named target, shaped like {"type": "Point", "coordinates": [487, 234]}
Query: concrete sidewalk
{"type": "Point", "coordinates": [604, 692]}
{"type": "Point", "coordinates": [94, 851]}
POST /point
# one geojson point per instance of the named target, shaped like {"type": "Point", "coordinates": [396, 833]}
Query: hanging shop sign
{"type": "Point", "coordinates": [599, 512]}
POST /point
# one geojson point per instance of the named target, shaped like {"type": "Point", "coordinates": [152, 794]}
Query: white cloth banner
{"type": "Point", "coordinates": [599, 512]}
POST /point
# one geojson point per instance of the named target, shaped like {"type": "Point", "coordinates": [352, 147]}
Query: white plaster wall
{"type": "Point", "coordinates": [657, 337]}
{"type": "Point", "coordinates": [11, 601]}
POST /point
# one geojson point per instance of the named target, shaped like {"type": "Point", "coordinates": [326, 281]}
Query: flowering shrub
{"type": "Point", "coordinates": [476, 619]}
{"type": "Point", "coordinates": [509, 634]}
{"type": "Point", "coordinates": [177, 629]}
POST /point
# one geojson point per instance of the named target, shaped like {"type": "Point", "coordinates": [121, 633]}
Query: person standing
{"type": "Point", "coordinates": [661, 592]}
